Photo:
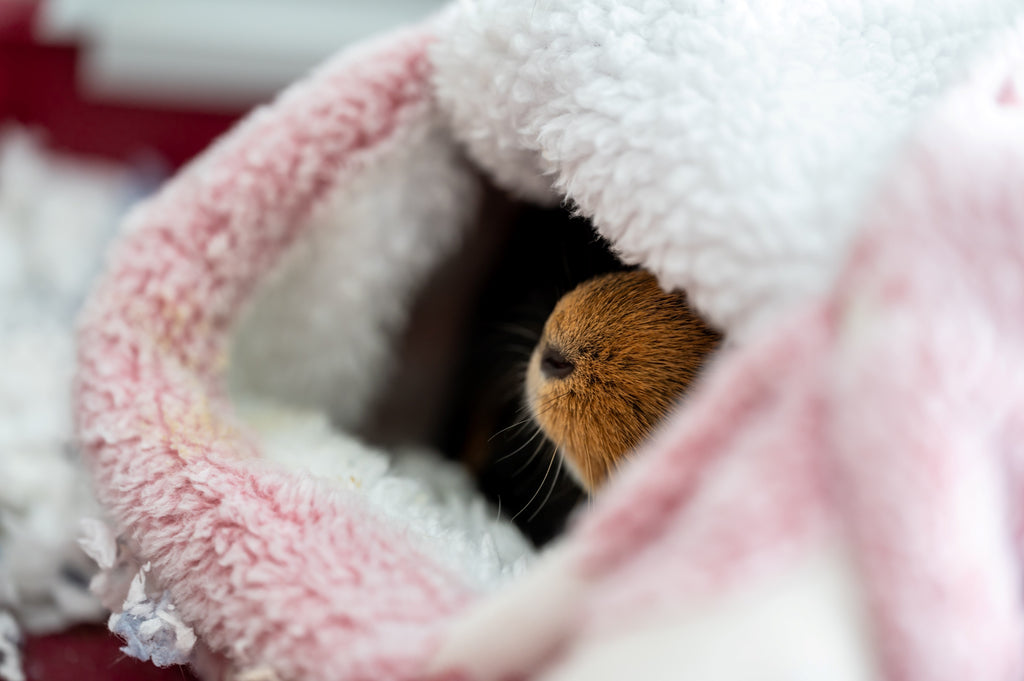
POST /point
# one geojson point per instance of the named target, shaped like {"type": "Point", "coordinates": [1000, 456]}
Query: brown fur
{"type": "Point", "coordinates": [634, 350]}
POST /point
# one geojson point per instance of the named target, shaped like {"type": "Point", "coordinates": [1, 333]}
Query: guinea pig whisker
{"type": "Point", "coordinates": [518, 424]}
{"type": "Point", "coordinates": [519, 448]}
{"type": "Point", "coordinates": [525, 411]}
{"type": "Point", "coordinates": [520, 350]}
{"type": "Point", "coordinates": [530, 460]}
{"type": "Point", "coordinates": [551, 402]}
{"type": "Point", "coordinates": [527, 414]}
{"type": "Point", "coordinates": [524, 332]}
{"type": "Point", "coordinates": [588, 470]}
{"type": "Point", "coordinates": [547, 407]}
{"type": "Point", "coordinates": [554, 483]}
{"type": "Point", "coordinates": [539, 487]}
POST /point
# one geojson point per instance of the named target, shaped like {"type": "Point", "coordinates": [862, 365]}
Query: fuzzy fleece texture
{"type": "Point", "coordinates": [726, 146]}
{"type": "Point", "coordinates": [362, 593]}
{"type": "Point", "coordinates": [846, 473]}
{"type": "Point", "coordinates": [897, 433]}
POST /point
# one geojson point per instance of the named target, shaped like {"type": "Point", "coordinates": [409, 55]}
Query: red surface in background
{"type": "Point", "coordinates": [90, 653]}
{"type": "Point", "coordinates": [38, 88]}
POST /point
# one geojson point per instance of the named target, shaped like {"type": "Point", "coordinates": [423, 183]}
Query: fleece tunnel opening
{"type": "Point", "coordinates": [476, 321]}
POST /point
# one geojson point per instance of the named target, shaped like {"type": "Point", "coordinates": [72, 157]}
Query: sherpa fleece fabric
{"type": "Point", "coordinates": [835, 183]}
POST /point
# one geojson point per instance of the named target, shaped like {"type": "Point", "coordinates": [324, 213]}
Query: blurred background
{"type": "Point", "coordinates": [100, 101]}
{"type": "Point", "coordinates": [118, 77]}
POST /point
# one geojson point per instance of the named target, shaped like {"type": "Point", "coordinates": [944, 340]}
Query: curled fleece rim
{"type": "Point", "coordinates": [239, 547]}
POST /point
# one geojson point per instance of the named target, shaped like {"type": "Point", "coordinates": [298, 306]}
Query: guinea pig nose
{"type": "Point", "coordinates": [553, 364]}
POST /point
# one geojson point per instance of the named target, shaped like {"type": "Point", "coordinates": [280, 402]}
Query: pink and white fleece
{"type": "Point", "coordinates": [272, 568]}
{"type": "Point", "coordinates": [839, 499]}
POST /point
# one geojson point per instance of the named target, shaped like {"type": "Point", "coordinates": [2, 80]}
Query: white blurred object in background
{"type": "Point", "coordinates": [213, 53]}
{"type": "Point", "coordinates": [56, 215]}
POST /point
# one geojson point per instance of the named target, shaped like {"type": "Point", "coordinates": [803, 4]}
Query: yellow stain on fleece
{"type": "Point", "coordinates": [190, 427]}
{"type": "Point", "coordinates": [194, 429]}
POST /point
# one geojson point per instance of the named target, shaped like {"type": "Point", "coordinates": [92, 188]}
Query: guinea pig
{"type": "Point", "coordinates": [614, 357]}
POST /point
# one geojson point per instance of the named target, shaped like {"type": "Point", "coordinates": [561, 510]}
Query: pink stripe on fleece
{"type": "Point", "coordinates": [746, 408]}
{"type": "Point", "coordinates": [271, 568]}
{"type": "Point", "coordinates": [928, 385]}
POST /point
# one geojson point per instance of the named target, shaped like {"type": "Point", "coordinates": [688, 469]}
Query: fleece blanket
{"type": "Point", "coordinates": [835, 184]}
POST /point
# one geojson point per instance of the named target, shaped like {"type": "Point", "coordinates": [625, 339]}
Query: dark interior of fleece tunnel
{"type": "Point", "coordinates": [504, 282]}
{"type": "Point", "coordinates": [547, 254]}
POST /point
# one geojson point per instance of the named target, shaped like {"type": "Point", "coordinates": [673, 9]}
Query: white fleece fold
{"type": "Point", "coordinates": [726, 146]}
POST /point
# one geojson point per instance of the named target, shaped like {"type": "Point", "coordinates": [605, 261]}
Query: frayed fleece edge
{"type": "Point", "coordinates": [151, 627]}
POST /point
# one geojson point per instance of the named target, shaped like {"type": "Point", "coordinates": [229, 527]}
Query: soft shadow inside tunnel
{"type": "Point", "coordinates": [476, 322]}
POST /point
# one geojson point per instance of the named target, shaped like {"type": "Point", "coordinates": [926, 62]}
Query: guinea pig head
{"type": "Point", "coordinates": [615, 355]}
